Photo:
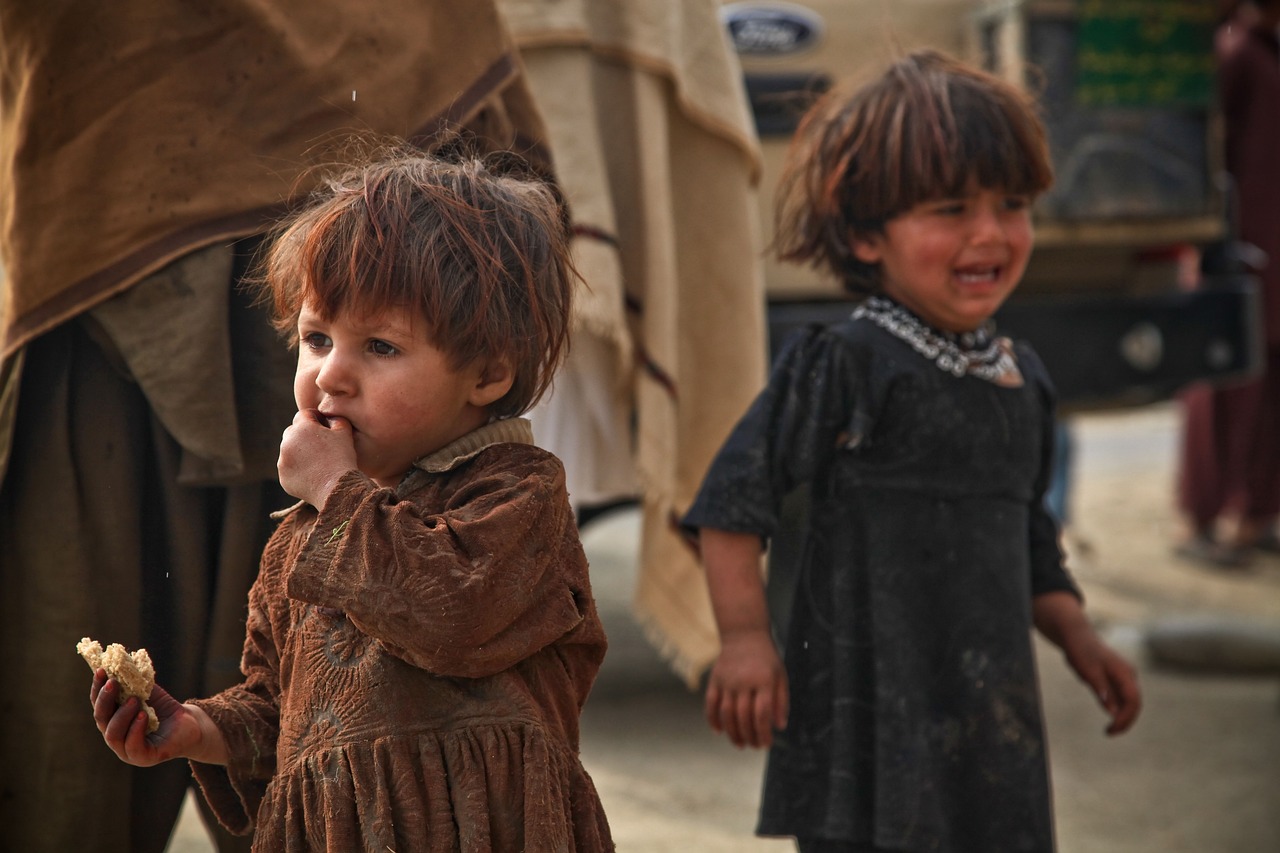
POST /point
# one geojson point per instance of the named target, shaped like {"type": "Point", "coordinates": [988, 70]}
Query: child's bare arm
{"type": "Point", "coordinates": [1060, 617]}
{"type": "Point", "coordinates": [185, 731]}
{"type": "Point", "coordinates": [747, 691]}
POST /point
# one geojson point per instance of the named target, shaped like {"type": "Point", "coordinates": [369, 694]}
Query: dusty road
{"type": "Point", "coordinates": [1199, 774]}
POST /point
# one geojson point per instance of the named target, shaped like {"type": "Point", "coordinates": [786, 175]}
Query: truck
{"type": "Point", "coordinates": [1137, 287]}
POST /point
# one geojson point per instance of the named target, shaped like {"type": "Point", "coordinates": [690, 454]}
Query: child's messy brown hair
{"type": "Point", "coordinates": [477, 246]}
{"type": "Point", "coordinates": [924, 130]}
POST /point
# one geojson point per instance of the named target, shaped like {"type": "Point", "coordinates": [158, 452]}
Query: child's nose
{"type": "Point", "coordinates": [335, 375]}
{"type": "Point", "coordinates": [988, 226]}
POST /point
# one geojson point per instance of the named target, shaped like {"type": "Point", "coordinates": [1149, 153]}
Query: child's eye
{"type": "Point", "coordinates": [949, 208]}
{"type": "Point", "coordinates": [1016, 202]}
{"type": "Point", "coordinates": [315, 340]}
{"type": "Point", "coordinates": [382, 349]}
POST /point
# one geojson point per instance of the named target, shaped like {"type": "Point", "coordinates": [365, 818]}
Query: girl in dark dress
{"type": "Point", "coordinates": [907, 716]}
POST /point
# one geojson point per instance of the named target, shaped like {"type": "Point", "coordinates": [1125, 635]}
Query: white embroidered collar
{"type": "Point", "coordinates": [979, 353]}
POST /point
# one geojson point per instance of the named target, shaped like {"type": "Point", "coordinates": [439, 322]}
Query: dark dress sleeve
{"type": "Point", "coordinates": [466, 589]}
{"type": "Point", "coordinates": [1048, 569]}
{"type": "Point", "coordinates": [791, 431]}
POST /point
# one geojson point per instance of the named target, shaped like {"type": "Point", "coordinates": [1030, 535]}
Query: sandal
{"type": "Point", "coordinates": [1201, 549]}
{"type": "Point", "coordinates": [1268, 542]}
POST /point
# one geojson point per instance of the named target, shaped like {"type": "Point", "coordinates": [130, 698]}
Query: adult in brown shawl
{"type": "Point", "coordinates": [1231, 451]}
{"type": "Point", "coordinates": [142, 146]}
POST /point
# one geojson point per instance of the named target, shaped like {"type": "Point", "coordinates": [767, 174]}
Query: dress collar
{"type": "Point", "coordinates": [979, 353]}
{"type": "Point", "coordinates": [506, 431]}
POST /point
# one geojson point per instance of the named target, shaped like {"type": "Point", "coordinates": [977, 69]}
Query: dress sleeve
{"type": "Point", "coordinates": [465, 591]}
{"type": "Point", "coordinates": [248, 714]}
{"type": "Point", "coordinates": [1048, 568]}
{"type": "Point", "coordinates": [791, 431]}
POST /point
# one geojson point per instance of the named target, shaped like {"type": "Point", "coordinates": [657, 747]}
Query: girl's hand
{"type": "Point", "coordinates": [315, 452]}
{"type": "Point", "coordinates": [124, 727]}
{"type": "Point", "coordinates": [1111, 678]}
{"type": "Point", "coordinates": [1060, 617]}
{"type": "Point", "coordinates": [747, 692]}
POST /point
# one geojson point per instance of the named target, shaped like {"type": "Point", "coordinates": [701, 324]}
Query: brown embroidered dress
{"type": "Point", "coordinates": [416, 660]}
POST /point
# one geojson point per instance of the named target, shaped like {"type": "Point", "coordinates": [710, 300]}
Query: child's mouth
{"type": "Point", "coordinates": [326, 419]}
{"type": "Point", "coordinates": [978, 275]}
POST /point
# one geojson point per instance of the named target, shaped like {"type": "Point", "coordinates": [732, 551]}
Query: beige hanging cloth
{"type": "Point", "coordinates": [653, 143]}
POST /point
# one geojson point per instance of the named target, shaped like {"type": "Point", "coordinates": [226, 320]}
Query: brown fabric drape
{"type": "Point", "coordinates": [131, 132]}
{"type": "Point", "coordinates": [97, 539]}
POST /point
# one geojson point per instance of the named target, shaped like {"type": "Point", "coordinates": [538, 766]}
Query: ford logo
{"type": "Point", "coordinates": [771, 29]}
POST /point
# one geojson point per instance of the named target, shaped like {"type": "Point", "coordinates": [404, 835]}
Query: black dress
{"type": "Point", "coordinates": [915, 716]}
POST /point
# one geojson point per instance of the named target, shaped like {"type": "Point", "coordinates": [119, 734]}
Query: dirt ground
{"type": "Point", "coordinates": [1200, 773]}
{"type": "Point", "coordinates": [1201, 770]}
{"type": "Point", "coordinates": [1124, 524]}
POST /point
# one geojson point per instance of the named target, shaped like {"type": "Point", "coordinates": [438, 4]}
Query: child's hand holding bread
{"type": "Point", "coordinates": [138, 719]}
{"type": "Point", "coordinates": [134, 673]}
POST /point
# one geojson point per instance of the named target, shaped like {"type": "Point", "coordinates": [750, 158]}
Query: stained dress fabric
{"type": "Point", "coordinates": [915, 721]}
{"type": "Point", "coordinates": [416, 660]}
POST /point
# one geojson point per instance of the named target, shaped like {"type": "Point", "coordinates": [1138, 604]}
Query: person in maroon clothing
{"type": "Point", "coordinates": [1230, 459]}
{"type": "Point", "coordinates": [421, 637]}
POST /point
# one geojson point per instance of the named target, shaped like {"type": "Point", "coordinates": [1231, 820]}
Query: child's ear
{"type": "Point", "coordinates": [867, 247]}
{"type": "Point", "coordinates": [494, 382]}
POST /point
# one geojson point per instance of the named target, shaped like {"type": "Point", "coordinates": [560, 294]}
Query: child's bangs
{"type": "Point", "coordinates": [941, 127]}
{"type": "Point", "coordinates": [347, 266]}
{"type": "Point", "coordinates": [998, 147]}
{"type": "Point", "coordinates": [975, 139]}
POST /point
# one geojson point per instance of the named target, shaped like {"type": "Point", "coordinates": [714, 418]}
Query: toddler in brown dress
{"type": "Point", "coordinates": [422, 635]}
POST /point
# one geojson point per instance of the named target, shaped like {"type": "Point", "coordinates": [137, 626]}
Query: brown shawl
{"type": "Point", "coordinates": [117, 119]}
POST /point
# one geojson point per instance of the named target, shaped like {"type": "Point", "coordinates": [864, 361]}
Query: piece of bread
{"type": "Point", "coordinates": [133, 672]}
